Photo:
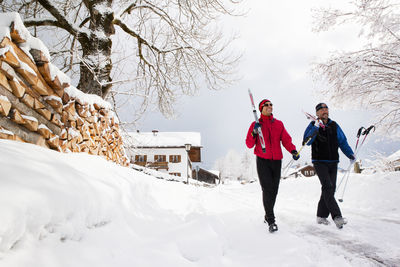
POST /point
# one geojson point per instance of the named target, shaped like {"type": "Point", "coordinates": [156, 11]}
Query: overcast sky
{"type": "Point", "coordinates": [278, 49]}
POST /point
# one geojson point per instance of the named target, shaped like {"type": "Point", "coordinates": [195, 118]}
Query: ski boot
{"type": "Point", "coordinates": [273, 228]}
{"type": "Point", "coordinates": [321, 220]}
{"type": "Point", "coordinates": [339, 221]}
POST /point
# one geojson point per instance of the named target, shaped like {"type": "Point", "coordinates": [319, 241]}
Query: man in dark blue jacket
{"type": "Point", "coordinates": [326, 138]}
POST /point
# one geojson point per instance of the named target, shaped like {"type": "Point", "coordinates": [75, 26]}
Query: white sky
{"type": "Point", "coordinates": [278, 49]}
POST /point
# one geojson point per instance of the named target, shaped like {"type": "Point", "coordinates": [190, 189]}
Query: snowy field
{"type": "Point", "coordinates": [79, 210]}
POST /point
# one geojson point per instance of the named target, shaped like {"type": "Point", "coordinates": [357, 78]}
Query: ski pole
{"type": "Point", "coordinates": [260, 135]}
{"type": "Point", "coordinates": [359, 133]}
{"type": "Point", "coordinates": [310, 117]}
{"type": "Point", "coordinates": [366, 132]}
{"type": "Point", "coordinates": [287, 167]}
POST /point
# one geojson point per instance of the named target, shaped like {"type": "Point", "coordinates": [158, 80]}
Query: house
{"type": "Point", "coordinates": [169, 152]}
{"type": "Point", "coordinates": [206, 176]}
{"type": "Point", "coordinates": [306, 170]}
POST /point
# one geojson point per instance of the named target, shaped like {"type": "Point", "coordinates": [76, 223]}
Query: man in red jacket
{"type": "Point", "coordinates": [269, 163]}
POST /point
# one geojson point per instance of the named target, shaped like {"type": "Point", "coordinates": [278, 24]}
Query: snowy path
{"type": "Point", "coordinates": [360, 243]}
{"type": "Point", "coordinates": [77, 210]}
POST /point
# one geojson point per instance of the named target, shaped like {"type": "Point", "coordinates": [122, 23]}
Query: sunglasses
{"type": "Point", "coordinates": [267, 104]}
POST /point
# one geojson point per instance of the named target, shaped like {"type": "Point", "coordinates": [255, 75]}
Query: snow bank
{"type": "Point", "coordinates": [80, 210]}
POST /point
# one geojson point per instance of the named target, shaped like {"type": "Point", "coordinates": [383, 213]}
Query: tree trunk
{"type": "Point", "coordinates": [95, 70]}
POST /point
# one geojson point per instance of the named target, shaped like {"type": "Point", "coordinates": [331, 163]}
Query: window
{"type": "Point", "coordinates": [141, 158]}
{"type": "Point", "coordinates": [175, 174]}
{"type": "Point", "coordinates": [175, 158]}
{"type": "Point", "coordinates": [160, 158]}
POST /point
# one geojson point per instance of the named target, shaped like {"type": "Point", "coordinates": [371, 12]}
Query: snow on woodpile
{"type": "Point", "coordinates": [39, 105]}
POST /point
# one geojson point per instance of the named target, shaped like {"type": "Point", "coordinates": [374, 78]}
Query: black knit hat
{"type": "Point", "coordinates": [320, 105]}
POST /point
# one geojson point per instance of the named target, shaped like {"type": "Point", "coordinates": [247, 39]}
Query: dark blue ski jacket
{"type": "Point", "coordinates": [325, 142]}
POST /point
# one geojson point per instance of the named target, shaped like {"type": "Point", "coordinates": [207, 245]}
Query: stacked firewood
{"type": "Point", "coordinates": [39, 106]}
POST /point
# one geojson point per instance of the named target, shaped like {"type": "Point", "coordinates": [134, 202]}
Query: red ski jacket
{"type": "Point", "coordinates": [274, 132]}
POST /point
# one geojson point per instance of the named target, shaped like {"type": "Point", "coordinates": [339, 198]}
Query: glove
{"type": "Point", "coordinates": [295, 155]}
{"type": "Point", "coordinates": [307, 142]}
{"type": "Point", "coordinates": [255, 129]}
{"type": "Point", "coordinates": [320, 124]}
{"type": "Point", "coordinates": [352, 159]}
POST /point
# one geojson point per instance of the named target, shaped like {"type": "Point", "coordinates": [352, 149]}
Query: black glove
{"type": "Point", "coordinates": [255, 129]}
{"type": "Point", "coordinates": [295, 155]}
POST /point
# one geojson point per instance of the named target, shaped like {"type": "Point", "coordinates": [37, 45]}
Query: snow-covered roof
{"type": "Point", "coordinates": [163, 139]}
{"type": "Point", "coordinates": [214, 172]}
{"type": "Point", "coordinates": [395, 156]}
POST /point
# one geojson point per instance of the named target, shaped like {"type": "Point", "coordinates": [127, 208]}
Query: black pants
{"type": "Point", "coordinates": [269, 174]}
{"type": "Point", "coordinates": [327, 174]}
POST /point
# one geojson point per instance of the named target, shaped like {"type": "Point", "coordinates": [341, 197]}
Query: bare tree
{"type": "Point", "coordinates": [369, 78]}
{"type": "Point", "coordinates": [235, 166]}
{"type": "Point", "coordinates": [174, 44]}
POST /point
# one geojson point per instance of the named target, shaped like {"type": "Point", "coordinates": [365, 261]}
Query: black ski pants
{"type": "Point", "coordinates": [269, 174]}
{"type": "Point", "coordinates": [327, 174]}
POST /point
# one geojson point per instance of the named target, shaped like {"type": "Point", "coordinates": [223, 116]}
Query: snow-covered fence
{"type": "Point", "coordinates": [38, 104]}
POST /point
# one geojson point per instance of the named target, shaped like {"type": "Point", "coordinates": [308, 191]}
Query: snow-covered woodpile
{"type": "Point", "coordinates": [38, 104]}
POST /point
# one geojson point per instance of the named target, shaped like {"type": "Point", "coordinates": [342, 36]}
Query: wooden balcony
{"type": "Point", "coordinates": [153, 165]}
{"type": "Point", "coordinates": [140, 163]}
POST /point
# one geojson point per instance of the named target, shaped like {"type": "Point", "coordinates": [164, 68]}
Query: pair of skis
{"type": "Point", "coordinates": [260, 135]}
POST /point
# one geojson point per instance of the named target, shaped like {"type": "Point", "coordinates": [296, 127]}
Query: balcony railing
{"type": "Point", "coordinates": [154, 165]}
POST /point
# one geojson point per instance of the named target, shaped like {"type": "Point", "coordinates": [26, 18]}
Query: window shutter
{"type": "Point", "coordinates": [145, 158]}
{"type": "Point", "coordinates": [179, 158]}
{"type": "Point", "coordinates": [137, 158]}
{"type": "Point", "coordinates": [171, 158]}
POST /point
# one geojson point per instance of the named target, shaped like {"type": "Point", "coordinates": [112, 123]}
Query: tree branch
{"type": "Point", "coordinates": [128, 9]}
{"type": "Point", "coordinates": [42, 22]}
{"type": "Point", "coordinates": [62, 21]}
{"type": "Point", "coordinates": [142, 41]}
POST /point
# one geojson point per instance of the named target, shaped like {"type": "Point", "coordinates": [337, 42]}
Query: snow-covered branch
{"type": "Point", "coordinates": [170, 47]}
{"type": "Point", "coordinates": [62, 20]}
{"type": "Point", "coordinates": [370, 77]}
{"type": "Point", "coordinates": [42, 22]}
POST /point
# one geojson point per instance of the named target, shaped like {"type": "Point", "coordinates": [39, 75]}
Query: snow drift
{"type": "Point", "coordinates": [80, 210]}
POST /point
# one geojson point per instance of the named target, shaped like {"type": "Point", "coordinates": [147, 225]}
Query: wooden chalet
{"type": "Point", "coordinates": [203, 175]}
{"type": "Point", "coordinates": [306, 171]}
{"type": "Point", "coordinates": [170, 152]}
